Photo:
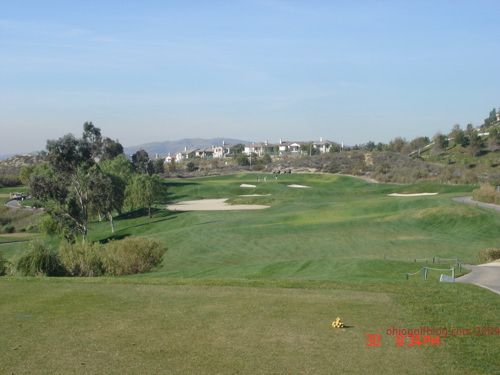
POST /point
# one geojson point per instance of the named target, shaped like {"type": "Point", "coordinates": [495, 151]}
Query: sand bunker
{"type": "Point", "coordinates": [409, 195]}
{"type": "Point", "coordinates": [246, 185]}
{"type": "Point", "coordinates": [212, 205]}
{"type": "Point", "coordinates": [298, 186]}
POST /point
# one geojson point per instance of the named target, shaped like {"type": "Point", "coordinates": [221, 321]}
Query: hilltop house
{"type": "Point", "coordinates": [170, 158]}
{"type": "Point", "coordinates": [287, 146]}
{"type": "Point", "coordinates": [186, 154]}
{"type": "Point", "coordinates": [323, 146]}
{"type": "Point", "coordinates": [260, 148]}
{"type": "Point", "coordinates": [205, 153]}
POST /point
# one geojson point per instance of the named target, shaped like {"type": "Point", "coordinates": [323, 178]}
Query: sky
{"type": "Point", "coordinates": [345, 71]}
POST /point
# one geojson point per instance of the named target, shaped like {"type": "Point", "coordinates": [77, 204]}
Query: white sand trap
{"type": "Point", "coordinates": [212, 205]}
{"type": "Point", "coordinates": [246, 185]}
{"type": "Point", "coordinates": [409, 195]}
{"type": "Point", "coordinates": [299, 186]}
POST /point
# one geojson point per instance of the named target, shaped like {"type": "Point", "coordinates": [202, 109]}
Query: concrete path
{"type": "Point", "coordinates": [485, 275]}
{"type": "Point", "coordinates": [481, 204]}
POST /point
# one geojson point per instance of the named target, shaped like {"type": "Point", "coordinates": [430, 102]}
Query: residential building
{"type": "Point", "coordinates": [260, 148]}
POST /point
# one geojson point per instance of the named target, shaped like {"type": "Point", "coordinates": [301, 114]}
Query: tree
{"type": "Point", "coordinates": [399, 145]}
{"type": "Point", "coordinates": [456, 128]}
{"type": "Point", "coordinates": [67, 180]}
{"type": "Point", "coordinates": [475, 144]}
{"type": "Point", "coordinates": [111, 149]}
{"type": "Point", "coordinates": [120, 170]}
{"type": "Point", "coordinates": [92, 136]}
{"type": "Point", "coordinates": [419, 143]}
{"type": "Point", "coordinates": [440, 143]}
{"type": "Point", "coordinates": [67, 183]}
{"type": "Point", "coordinates": [242, 160]}
{"type": "Point", "coordinates": [191, 166]}
{"type": "Point", "coordinates": [144, 191]}
{"type": "Point", "coordinates": [142, 163]}
{"type": "Point", "coordinates": [103, 197]}
{"type": "Point", "coordinates": [469, 130]}
{"type": "Point", "coordinates": [158, 166]}
{"type": "Point", "coordinates": [461, 138]}
{"type": "Point", "coordinates": [25, 173]}
{"type": "Point", "coordinates": [493, 142]}
{"type": "Point", "coordinates": [369, 146]}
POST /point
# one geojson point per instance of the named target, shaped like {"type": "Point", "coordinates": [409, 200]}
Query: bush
{"type": "Point", "coordinates": [39, 260]}
{"type": "Point", "coordinates": [133, 255]}
{"type": "Point", "coordinates": [488, 255]}
{"type": "Point", "coordinates": [9, 229]}
{"type": "Point", "coordinates": [486, 194]}
{"type": "Point", "coordinates": [4, 266]}
{"type": "Point", "coordinates": [82, 259]}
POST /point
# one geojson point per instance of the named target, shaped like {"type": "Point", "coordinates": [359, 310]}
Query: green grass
{"type": "Point", "coordinates": [255, 292]}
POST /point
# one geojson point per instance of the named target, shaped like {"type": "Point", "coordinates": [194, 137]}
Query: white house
{"type": "Point", "coordinates": [170, 158]}
{"type": "Point", "coordinates": [259, 148]}
{"type": "Point", "coordinates": [186, 154]}
{"type": "Point", "coordinates": [323, 146]}
{"type": "Point", "coordinates": [288, 146]}
{"type": "Point", "coordinates": [221, 151]}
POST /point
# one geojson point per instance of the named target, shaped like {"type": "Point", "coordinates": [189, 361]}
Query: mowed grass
{"type": "Point", "coordinates": [255, 292]}
{"type": "Point", "coordinates": [307, 231]}
{"type": "Point", "coordinates": [228, 326]}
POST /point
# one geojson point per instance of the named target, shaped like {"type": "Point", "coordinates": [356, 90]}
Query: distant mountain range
{"type": "Point", "coordinates": [172, 147]}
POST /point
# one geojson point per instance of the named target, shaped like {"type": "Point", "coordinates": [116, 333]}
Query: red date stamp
{"type": "Point", "coordinates": [425, 336]}
{"type": "Point", "coordinates": [403, 340]}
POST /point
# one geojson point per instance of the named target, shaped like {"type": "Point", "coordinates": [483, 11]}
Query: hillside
{"type": "Point", "coordinates": [13, 165]}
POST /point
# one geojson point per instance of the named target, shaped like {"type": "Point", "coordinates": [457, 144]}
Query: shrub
{"type": "Point", "coordinates": [39, 260]}
{"type": "Point", "coordinates": [486, 194]}
{"type": "Point", "coordinates": [82, 258]}
{"type": "Point", "coordinates": [133, 255]}
{"type": "Point", "coordinates": [4, 266]}
{"type": "Point", "coordinates": [9, 229]}
{"type": "Point", "coordinates": [48, 225]}
{"type": "Point", "coordinates": [488, 255]}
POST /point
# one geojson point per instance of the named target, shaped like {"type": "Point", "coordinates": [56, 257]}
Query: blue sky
{"type": "Point", "coordinates": [144, 71]}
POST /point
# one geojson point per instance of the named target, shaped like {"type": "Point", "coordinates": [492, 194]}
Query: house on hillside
{"type": "Point", "coordinates": [170, 158]}
{"type": "Point", "coordinates": [288, 146]}
{"type": "Point", "coordinates": [260, 148]}
{"type": "Point", "coordinates": [323, 146]}
{"type": "Point", "coordinates": [205, 153]}
{"type": "Point", "coordinates": [186, 154]}
{"type": "Point", "coordinates": [224, 150]}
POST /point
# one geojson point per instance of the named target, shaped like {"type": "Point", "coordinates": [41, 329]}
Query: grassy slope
{"type": "Point", "coordinates": [256, 291]}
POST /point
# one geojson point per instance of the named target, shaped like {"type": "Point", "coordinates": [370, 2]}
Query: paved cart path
{"type": "Point", "coordinates": [485, 275]}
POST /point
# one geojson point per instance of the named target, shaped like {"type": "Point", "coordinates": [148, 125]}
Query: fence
{"type": "Point", "coordinates": [425, 270]}
{"type": "Point", "coordinates": [439, 260]}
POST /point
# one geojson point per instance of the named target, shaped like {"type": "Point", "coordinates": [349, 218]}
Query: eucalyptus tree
{"type": "Point", "coordinates": [69, 183]}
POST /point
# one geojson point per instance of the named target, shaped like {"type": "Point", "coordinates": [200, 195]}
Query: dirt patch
{"type": "Point", "coordinates": [248, 186]}
{"type": "Point", "coordinates": [298, 186]}
{"type": "Point", "coordinates": [212, 205]}
{"type": "Point", "coordinates": [410, 195]}
{"type": "Point", "coordinates": [255, 195]}
{"type": "Point", "coordinates": [19, 235]}
{"type": "Point", "coordinates": [4, 195]}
